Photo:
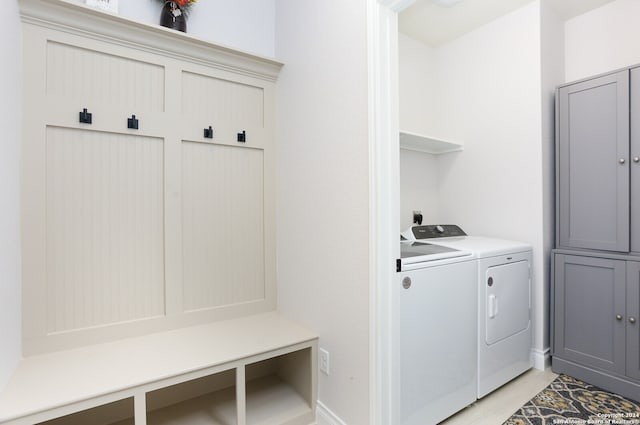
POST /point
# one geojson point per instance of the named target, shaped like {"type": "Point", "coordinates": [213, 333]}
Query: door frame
{"type": "Point", "coordinates": [384, 196]}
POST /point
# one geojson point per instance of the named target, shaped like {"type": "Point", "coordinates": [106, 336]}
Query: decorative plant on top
{"type": "Point", "coordinates": [178, 7]}
{"type": "Point", "coordinates": [175, 12]}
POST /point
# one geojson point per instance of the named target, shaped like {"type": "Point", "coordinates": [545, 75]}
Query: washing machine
{"type": "Point", "coordinates": [504, 337]}
{"type": "Point", "coordinates": [434, 352]}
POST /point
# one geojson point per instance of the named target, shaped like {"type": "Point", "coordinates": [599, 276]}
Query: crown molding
{"type": "Point", "coordinates": [88, 22]}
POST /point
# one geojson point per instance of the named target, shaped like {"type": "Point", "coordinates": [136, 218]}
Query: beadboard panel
{"type": "Point", "coordinates": [230, 106]}
{"type": "Point", "coordinates": [222, 225]}
{"type": "Point", "coordinates": [98, 78]}
{"type": "Point", "coordinates": [104, 228]}
{"type": "Point", "coordinates": [126, 231]}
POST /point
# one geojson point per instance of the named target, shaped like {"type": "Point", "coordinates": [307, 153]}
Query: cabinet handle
{"type": "Point", "coordinates": [618, 317]}
{"type": "Point", "coordinates": [632, 320]}
{"type": "Point", "coordinates": [636, 159]}
{"type": "Point", "coordinates": [622, 161]}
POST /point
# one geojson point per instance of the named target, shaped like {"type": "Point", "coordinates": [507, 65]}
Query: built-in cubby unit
{"type": "Point", "coordinates": [116, 413]}
{"type": "Point", "coordinates": [254, 370]}
{"type": "Point", "coordinates": [148, 232]}
{"type": "Point", "coordinates": [208, 400]}
{"type": "Point", "coordinates": [275, 391]}
{"type": "Point", "coordinates": [267, 391]}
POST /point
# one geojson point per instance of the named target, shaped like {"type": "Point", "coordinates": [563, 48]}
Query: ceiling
{"type": "Point", "coordinates": [435, 24]}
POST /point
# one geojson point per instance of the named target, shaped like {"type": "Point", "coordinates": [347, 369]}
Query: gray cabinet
{"type": "Point", "coordinates": [595, 297]}
{"type": "Point", "coordinates": [595, 321]}
{"type": "Point", "coordinates": [634, 155]}
{"type": "Point", "coordinates": [593, 163]}
{"type": "Point", "coordinates": [589, 295]}
{"type": "Point", "coordinates": [633, 319]}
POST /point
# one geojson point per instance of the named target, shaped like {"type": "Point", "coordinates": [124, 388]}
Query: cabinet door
{"type": "Point", "coordinates": [589, 294]}
{"type": "Point", "coordinates": [635, 159]}
{"type": "Point", "coordinates": [593, 173]}
{"type": "Point", "coordinates": [633, 319]}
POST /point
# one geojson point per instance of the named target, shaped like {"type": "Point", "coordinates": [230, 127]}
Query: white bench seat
{"type": "Point", "coordinates": [52, 385]}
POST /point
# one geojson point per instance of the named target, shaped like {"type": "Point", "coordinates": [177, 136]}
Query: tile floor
{"type": "Point", "coordinates": [498, 406]}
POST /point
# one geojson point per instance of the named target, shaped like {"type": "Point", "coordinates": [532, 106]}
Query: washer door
{"type": "Point", "coordinates": [436, 357]}
{"type": "Point", "coordinates": [507, 298]}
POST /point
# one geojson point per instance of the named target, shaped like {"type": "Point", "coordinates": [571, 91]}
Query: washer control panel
{"type": "Point", "coordinates": [431, 231]}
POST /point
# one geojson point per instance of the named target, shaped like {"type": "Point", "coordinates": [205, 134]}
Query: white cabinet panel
{"type": "Point", "coordinates": [222, 225]}
{"type": "Point", "coordinates": [129, 231]}
{"type": "Point", "coordinates": [229, 107]}
{"type": "Point", "coordinates": [97, 78]}
{"type": "Point", "coordinates": [104, 228]}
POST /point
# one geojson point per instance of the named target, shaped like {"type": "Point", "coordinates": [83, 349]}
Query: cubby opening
{"type": "Point", "coordinates": [210, 400]}
{"type": "Point", "coordinates": [117, 413]}
{"type": "Point", "coordinates": [279, 389]}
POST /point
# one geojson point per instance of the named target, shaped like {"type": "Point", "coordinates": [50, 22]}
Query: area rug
{"type": "Point", "coordinates": [570, 401]}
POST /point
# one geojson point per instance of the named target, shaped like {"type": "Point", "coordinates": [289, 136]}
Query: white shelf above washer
{"type": "Point", "coordinates": [432, 145]}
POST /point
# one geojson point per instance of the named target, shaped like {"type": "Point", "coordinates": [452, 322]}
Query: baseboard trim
{"type": "Point", "coordinates": [324, 416]}
{"type": "Point", "coordinates": [541, 359]}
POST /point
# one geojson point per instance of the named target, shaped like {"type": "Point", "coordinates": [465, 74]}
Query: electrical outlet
{"type": "Point", "coordinates": [417, 217]}
{"type": "Point", "coordinates": [324, 361]}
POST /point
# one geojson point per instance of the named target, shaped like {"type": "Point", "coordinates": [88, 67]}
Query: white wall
{"type": "Point", "coordinates": [242, 24]}
{"type": "Point", "coordinates": [322, 186]}
{"type": "Point", "coordinates": [418, 187]}
{"type": "Point", "coordinates": [416, 86]}
{"type": "Point", "coordinates": [489, 96]}
{"type": "Point", "coordinates": [603, 40]}
{"type": "Point", "coordinates": [10, 290]}
{"type": "Point", "coordinates": [418, 171]}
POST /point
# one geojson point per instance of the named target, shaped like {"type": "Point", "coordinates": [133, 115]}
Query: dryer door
{"type": "Point", "coordinates": [507, 298]}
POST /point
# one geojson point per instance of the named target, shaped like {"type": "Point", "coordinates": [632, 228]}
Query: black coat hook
{"type": "Point", "coordinates": [132, 122]}
{"type": "Point", "coordinates": [208, 133]}
{"type": "Point", "coordinates": [85, 117]}
{"type": "Point", "coordinates": [242, 137]}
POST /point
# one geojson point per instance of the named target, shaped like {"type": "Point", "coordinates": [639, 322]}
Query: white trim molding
{"type": "Point", "coordinates": [384, 184]}
{"type": "Point", "coordinates": [93, 23]}
{"type": "Point", "coordinates": [541, 359]}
